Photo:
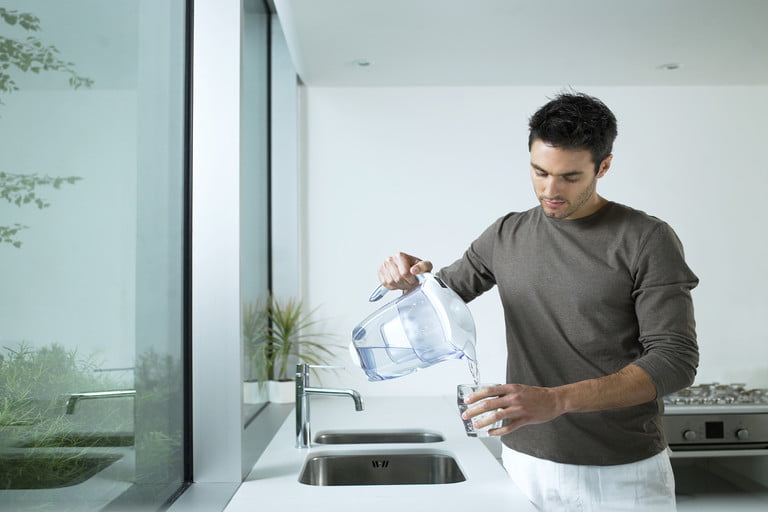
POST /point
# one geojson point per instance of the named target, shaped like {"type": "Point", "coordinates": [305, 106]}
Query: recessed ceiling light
{"type": "Point", "coordinates": [669, 66]}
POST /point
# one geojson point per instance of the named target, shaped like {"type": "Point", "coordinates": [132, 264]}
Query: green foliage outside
{"type": "Point", "coordinates": [28, 55]}
{"type": "Point", "coordinates": [33, 391]}
{"type": "Point", "coordinates": [30, 378]}
{"type": "Point", "coordinates": [34, 387]}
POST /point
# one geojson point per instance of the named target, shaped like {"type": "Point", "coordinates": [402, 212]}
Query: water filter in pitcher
{"type": "Point", "coordinates": [423, 327]}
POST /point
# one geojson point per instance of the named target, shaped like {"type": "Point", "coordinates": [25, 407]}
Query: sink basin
{"type": "Point", "coordinates": [377, 436]}
{"type": "Point", "coordinates": [43, 471]}
{"type": "Point", "coordinates": [381, 468]}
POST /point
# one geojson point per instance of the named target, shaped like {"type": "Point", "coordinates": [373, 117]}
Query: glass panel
{"type": "Point", "coordinates": [254, 201]}
{"type": "Point", "coordinates": [91, 247]}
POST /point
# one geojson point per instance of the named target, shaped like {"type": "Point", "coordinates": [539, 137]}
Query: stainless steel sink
{"type": "Point", "coordinates": [377, 436]}
{"type": "Point", "coordinates": [381, 468]}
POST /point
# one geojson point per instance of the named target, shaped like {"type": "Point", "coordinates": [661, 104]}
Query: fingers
{"type": "Point", "coordinates": [478, 409]}
{"type": "Point", "coordinates": [500, 403]}
{"type": "Point", "coordinates": [398, 271]}
{"type": "Point", "coordinates": [482, 407]}
{"type": "Point", "coordinates": [517, 405]}
{"type": "Point", "coordinates": [493, 413]}
{"type": "Point", "coordinates": [486, 392]}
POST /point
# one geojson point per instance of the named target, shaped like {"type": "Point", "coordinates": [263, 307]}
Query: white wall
{"type": "Point", "coordinates": [424, 170]}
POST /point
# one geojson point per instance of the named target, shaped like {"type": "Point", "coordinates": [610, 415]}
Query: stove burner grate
{"type": "Point", "coordinates": [718, 394]}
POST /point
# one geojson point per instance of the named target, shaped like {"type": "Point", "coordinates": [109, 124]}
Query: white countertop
{"type": "Point", "coordinates": [273, 482]}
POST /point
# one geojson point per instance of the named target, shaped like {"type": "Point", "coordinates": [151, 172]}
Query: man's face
{"type": "Point", "coordinates": [565, 181]}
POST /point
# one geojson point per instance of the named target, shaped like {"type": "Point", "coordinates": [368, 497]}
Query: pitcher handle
{"type": "Point", "coordinates": [382, 290]}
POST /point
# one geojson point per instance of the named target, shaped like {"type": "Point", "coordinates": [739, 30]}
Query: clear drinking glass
{"type": "Point", "coordinates": [463, 391]}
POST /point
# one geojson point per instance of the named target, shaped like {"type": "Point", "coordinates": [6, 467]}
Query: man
{"type": "Point", "coordinates": [599, 324]}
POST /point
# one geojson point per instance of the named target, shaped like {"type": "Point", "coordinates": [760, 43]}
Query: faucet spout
{"type": "Point", "coordinates": [338, 392]}
{"type": "Point", "coordinates": [303, 392]}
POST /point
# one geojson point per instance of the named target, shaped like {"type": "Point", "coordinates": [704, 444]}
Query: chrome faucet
{"type": "Point", "coordinates": [75, 397]}
{"type": "Point", "coordinates": [303, 390]}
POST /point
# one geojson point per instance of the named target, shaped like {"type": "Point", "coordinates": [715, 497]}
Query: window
{"type": "Point", "coordinates": [92, 247]}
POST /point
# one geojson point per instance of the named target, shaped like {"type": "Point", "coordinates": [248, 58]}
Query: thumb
{"type": "Point", "coordinates": [420, 267]}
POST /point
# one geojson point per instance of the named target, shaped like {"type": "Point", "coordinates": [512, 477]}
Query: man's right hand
{"type": "Point", "coordinates": [398, 271]}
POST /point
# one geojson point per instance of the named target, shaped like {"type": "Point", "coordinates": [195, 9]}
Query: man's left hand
{"type": "Point", "coordinates": [519, 405]}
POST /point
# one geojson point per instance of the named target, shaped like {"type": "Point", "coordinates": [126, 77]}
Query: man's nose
{"type": "Point", "coordinates": [551, 187]}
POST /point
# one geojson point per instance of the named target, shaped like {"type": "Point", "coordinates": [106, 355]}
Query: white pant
{"type": "Point", "coordinates": [646, 485]}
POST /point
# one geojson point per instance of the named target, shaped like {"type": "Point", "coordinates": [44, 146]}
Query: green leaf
{"type": "Point", "coordinates": [32, 55]}
{"type": "Point", "coordinates": [20, 189]}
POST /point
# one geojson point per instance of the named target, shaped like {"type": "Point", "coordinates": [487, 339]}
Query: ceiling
{"type": "Point", "coordinates": [527, 42]}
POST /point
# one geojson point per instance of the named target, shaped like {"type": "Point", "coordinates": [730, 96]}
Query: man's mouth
{"type": "Point", "coordinates": [553, 203]}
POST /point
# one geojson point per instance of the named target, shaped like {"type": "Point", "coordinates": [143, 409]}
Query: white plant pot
{"type": "Point", "coordinates": [282, 392]}
{"type": "Point", "coordinates": [255, 393]}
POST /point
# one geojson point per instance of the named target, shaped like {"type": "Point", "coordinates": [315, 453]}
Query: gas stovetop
{"type": "Point", "coordinates": [716, 393]}
{"type": "Point", "coordinates": [721, 395]}
{"type": "Point", "coordinates": [721, 416]}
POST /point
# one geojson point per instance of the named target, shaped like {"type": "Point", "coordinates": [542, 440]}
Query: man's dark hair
{"type": "Point", "coordinates": [575, 121]}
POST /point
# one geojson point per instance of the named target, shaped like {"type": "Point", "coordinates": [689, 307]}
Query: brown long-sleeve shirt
{"type": "Point", "coordinates": [582, 299]}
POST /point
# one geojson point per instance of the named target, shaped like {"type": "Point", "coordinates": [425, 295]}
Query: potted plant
{"type": "Point", "coordinates": [277, 336]}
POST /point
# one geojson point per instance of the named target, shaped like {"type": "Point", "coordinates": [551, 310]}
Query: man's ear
{"type": "Point", "coordinates": [604, 166]}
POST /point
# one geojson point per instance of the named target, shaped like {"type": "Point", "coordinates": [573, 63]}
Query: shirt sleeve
{"type": "Point", "coordinates": [664, 308]}
{"type": "Point", "coordinates": [472, 274]}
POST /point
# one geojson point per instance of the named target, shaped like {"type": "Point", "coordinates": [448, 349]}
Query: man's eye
{"type": "Point", "coordinates": [571, 179]}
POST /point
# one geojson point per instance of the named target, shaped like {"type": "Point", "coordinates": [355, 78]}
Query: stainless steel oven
{"type": "Point", "coordinates": [717, 417]}
{"type": "Point", "coordinates": [718, 437]}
